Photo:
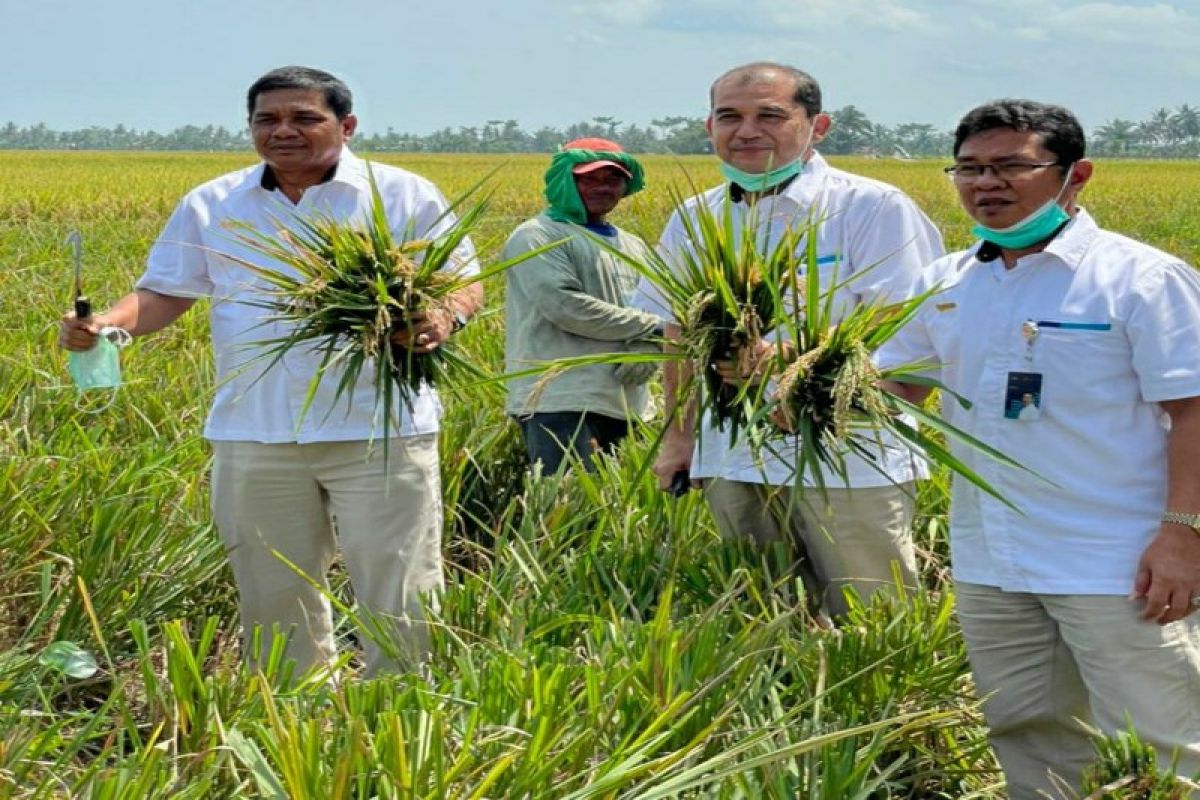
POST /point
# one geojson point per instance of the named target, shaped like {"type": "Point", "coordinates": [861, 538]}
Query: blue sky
{"type": "Point", "coordinates": [419, 66]}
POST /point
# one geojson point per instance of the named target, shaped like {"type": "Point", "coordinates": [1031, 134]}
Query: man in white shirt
{"type": "Point", "coordinates": [764, 123]}
{"type": "Point", "coordinates": [281, 482]}
{"type": "Point", "coordinates": [1077, 605]}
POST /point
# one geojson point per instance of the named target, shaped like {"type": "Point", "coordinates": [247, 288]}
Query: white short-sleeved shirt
{"type": "Point", "coordinates": [254, 402]}
{"type": "Point", "coordinates": [1117, 331]}
{"type": "Point", "coordinates": [868, 229]}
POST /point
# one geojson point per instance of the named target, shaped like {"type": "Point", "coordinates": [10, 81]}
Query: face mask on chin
{"type": "Point", "coordinates": [761, 181]}
{"type": "Point", "coordinates": [1033, 229]}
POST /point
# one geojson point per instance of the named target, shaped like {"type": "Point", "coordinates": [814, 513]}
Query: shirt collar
{"type": "Point", "coordinates": [1069, 245]}
{"type": "Point", "coordinates": [1076, 239]}
{"type": "Point", "coordinates": [268, 181]}
{"type": "Point", "coordinates": [350, 169]}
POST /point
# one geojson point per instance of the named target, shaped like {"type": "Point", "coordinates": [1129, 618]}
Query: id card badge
{"type": "Point", "coordinates": [1023, 397]}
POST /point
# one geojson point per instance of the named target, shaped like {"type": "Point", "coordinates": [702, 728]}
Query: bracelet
{"type": "Point", "coordinates": [1180, 518]}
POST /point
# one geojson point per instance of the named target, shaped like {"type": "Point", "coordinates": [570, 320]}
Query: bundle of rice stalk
{"type": "Point", "coordinates": [345, 288]}
{"type": "Point", "coordinates": [747, 279]}
{"type": "Point", "coordinates": [829, 392]}
{"type": "Point", "coordinates": [727, 292]}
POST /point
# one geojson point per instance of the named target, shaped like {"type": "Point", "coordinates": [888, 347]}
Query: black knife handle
{"type": "Point", "coordinates": [681, 483]}
{"type": "Point", "coordinates": [83, 308]}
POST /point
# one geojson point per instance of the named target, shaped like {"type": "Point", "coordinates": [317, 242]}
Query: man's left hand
{"type": "Point", "coordinates": [1168, 574]}
{"type": "Point", "coordinates": [426, 330]}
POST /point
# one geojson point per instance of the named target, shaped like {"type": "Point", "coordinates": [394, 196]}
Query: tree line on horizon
{"type": "Point", "coordinates": [1166, 133]}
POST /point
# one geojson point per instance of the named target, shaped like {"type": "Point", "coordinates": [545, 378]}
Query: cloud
{"type": "Point", "coordinates": [1158, 25]}
{"type": "Point", "coordinates": [1032, 34]}
{"type": "Point", "coordinates": [884, 14]}
{"type": "Point", "coordinates": [760, 16]}
{"type": "Point", "coordinates": [588, 37]}
{"type": "Point", "coordinates": [634, 13]}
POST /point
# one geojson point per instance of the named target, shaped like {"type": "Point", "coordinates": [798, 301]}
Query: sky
{"type": "Point", "coordinates": [421, 66]}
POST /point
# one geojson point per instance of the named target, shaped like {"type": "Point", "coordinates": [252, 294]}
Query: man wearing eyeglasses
{"type": "Point", "coordinates": [1078, 604]}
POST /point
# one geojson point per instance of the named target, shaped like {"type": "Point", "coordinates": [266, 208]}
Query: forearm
{"type": "Point", "coordinates": [1168, 573]}
{"type": "Point", "coordinates": [466, 301]}
{"type": "Point", "coordinates": [1183, 455]}
{"type": "Point", "coordinates": [906, 391]}
{"type": "Point", "coordinates": [144, 311]}
{"type": "Point", "coordinates": [678, 374]}
{"type": "Point", "coordinates": [583, 315]}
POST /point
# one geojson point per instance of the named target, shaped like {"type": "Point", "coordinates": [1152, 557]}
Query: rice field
{"type": "Point", "coordinates": [595, 641]}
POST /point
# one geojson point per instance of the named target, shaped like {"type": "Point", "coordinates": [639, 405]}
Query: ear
{"type": "Point", "coordinates": [821, 124]}
{"type": "Point", "coordinates": [349, 125]}
{"type": "Point", "coordinates": [708, 124]}
{"type": "Point", "coordinates": [1081, 173]}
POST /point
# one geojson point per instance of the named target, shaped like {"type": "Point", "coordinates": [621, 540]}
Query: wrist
{"type": "Point", "coordinates": [1183, 519]}
{"type": "Point", "coordinates": [678, 436]}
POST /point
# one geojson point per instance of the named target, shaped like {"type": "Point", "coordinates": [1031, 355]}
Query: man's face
{"type": "Point", "coordinates": [998, 202]}
{"type": "Point", "coordinates": [758, 126]}
{"type": "Point", "coordinates": [601, 190]}
{"type": "Point", "coordinates": [294, 130]}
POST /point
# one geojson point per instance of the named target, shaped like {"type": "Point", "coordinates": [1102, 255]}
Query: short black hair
{"type": "Point", "coordinates": [1060, 130]}
{"type": "Point", "coordinates": [336, 92]}
{"type": "Point", "coordinates": [807, 93]}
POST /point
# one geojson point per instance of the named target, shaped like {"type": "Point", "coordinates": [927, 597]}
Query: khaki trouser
{"type": "Point", "coordinates": [291, 498]}
{"type": "Point", "coordinates": [1047, 663]}
{"type": "Point", "coordinates": [849, 537]}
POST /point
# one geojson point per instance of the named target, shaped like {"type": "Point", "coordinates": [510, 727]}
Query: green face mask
{"type": "Point", "coordinates": [100, 367]}
{"type": "Point", "coordinates": [1037, 227]}
{"type": "Point", "coordinates": [761, 181]}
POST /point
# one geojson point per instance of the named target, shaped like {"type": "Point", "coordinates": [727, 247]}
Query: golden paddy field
{"type": "Point", "coordinates": [595, 639]}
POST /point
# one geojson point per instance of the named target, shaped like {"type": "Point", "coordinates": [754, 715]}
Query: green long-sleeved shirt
{"type": "Point", "coordinates": [571, 301]}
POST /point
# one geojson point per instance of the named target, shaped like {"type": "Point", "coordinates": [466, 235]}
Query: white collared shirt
{"type": "Point", "coordinates": [255, 402]}
{"type": "Point", "coordinates": [1117, 331]}
{"type": "Point", "coordinates": [870, 230]}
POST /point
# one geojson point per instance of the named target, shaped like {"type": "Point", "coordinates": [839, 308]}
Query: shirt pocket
{"type": "Point", "coordinates": [1085, 363]}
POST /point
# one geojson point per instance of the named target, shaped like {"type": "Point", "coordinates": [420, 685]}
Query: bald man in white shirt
{"type": "Point", "coordinates": [765, 123]}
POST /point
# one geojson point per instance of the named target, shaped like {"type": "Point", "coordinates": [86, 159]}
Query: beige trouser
{"type": "Point", "coordinates": [291, 498]}
{"type": "Point", "coordinates": [1045, 663]}
{"type": "Point", "coordinates": [849, 537]}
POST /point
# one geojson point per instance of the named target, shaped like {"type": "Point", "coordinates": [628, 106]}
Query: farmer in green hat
{"type": "Point", "coordinates": [571, 301]}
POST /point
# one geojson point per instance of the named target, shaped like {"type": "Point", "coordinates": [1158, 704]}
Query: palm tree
{"type": "Point", "coordinates": [851, 132]}
{"type": "Point", "coordinates": [1185, 122]}
{"type": "Point", "coordinates": [1156, 131]}
{"type": "Point", "coordinates": [918, 138]}
{"type": "Point", "coordinates": [1115, 136]}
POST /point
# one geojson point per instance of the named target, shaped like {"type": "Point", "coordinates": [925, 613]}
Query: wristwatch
{"type": "Point", "coordinates": [459, 322]}
{"type": "Point", "coordinates": [1180, 518]}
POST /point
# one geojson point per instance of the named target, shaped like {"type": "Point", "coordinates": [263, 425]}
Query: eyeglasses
{"type": "Point", "coordinates": [1008, 171]}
